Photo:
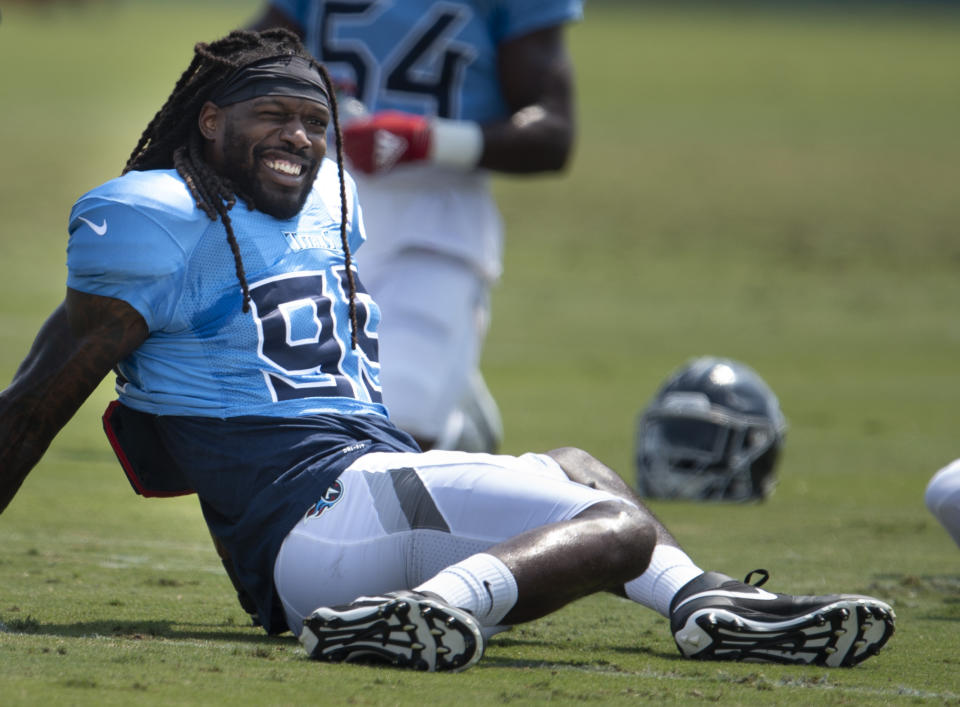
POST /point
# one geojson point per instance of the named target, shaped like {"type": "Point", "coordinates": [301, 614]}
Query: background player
{"type": "Point", "coordinates": [453, 90]}
{"type": "Point", "coordinates": [943, 498]}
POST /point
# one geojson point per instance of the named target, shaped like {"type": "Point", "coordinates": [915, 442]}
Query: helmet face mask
{"type": "Point", "coordinates": [713, 432]}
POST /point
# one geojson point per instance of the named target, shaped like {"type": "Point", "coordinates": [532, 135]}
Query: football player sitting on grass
{"type": "Point", "coordinates": [216, 277]}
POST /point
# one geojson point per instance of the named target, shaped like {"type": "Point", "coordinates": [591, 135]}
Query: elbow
{"type": "Point", "coordinates": [563, 157]}
{"type": "Point", "coordinates": [554, 154]}
{"type": "Point", "coordinates": [560, 152]}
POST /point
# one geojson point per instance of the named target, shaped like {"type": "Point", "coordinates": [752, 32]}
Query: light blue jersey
{"type": "Point", "coordinates": [141, 238]}
{"type": "Point", "coordinates": [429, 57]}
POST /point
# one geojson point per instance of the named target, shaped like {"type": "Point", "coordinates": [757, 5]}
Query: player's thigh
{"type": "Point", "coordinates": [338, 551]}
{"type": "Point", "coordinates": [485, 498]}
{"type": "Point", "coordinates": [434, 313]}
{"type": "Point", "coordinates": [434, 286]}
{"type": "Point", "coordinates": [399, 518]}
{"type": "Point", "coordinates": [374, 531]}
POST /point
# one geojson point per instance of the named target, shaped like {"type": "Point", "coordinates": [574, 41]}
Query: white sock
{"type": "Point", "coordinates": [481, 584]}
{"type": "Point", "coordinates": [670, 568]}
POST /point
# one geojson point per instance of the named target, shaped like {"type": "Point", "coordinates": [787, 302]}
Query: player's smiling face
{"type": "Point", "coordinates": [270, 147]}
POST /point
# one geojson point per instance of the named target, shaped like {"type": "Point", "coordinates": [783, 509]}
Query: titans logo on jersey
{"type": "Point", "coordinates": [141, 238]}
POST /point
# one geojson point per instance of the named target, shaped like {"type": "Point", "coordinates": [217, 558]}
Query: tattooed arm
{"type": "Point", "coordinates": [76, 347]}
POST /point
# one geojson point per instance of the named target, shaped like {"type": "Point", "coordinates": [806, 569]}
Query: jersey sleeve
{"type": "Point", "coordinates": [117, 250]}
{"type": "Point", "coordinates": [520, 17]}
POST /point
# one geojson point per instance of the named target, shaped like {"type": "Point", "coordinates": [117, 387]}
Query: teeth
{"type": "Point", "coordinates": [285, 167]}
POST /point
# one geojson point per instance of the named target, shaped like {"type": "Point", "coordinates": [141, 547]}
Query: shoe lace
{"type": "Point", "coordinates": [764, 576]}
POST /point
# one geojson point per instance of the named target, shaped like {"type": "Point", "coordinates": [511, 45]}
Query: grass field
{"type": "Point", "coordinates": [779, 188]}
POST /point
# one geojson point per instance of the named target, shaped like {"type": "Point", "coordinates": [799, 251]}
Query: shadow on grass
{"type": "Point", "coordinates": [600, 665]}
{"type": "Point", "coordinates": [594, 666]}
{"type": "Point", "coordinates": [147, 630]}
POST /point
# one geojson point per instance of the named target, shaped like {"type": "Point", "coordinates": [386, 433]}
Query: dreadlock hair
{"type": "Point", "coordinates": [173, 140]}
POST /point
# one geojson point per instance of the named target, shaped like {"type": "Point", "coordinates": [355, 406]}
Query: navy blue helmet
{"type": "Point", "coordinates": [713, 432]}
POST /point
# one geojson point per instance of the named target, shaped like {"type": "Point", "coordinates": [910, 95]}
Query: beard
{"type": "Point", "coordinates": [242, 164]}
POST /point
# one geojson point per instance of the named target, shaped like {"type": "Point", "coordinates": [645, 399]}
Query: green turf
{"type": "Point", "coordinates": [780, 188]}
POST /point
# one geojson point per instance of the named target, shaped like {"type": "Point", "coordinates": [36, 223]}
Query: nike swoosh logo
{"type": "Point", "coordinates": [759, 595]}
{"type": "Point", "coordinates": [99, 230]}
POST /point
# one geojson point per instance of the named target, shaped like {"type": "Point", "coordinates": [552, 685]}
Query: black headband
{"type": "Point", "coordinates": [289, 75]}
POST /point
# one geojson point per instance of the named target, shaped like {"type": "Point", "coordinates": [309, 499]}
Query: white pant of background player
{"type": "Point", "coordinates": [433, 251]}
{"type": "Point", "coordinates": [400, 518]}
{"type": "Point", "coordinates": [943, 498]}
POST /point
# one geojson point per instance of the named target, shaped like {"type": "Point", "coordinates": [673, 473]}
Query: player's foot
{"type": "Point", "coordinates": [718, 618]}
{"type": "Point", "coordinates": [407, 629]}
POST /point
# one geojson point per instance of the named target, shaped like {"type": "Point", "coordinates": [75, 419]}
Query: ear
{"type": "Point", "coordinates": [210, 119]}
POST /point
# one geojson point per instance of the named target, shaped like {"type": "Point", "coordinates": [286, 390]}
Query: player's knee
{"type": "Point", "coordinates": [584, 468]}
{"type": "Point", "coordinates": [572, 458]}
{"type": "Point", "coordinates": [629, 537]}
{"type": "Point", "coordinates": [636, 541]}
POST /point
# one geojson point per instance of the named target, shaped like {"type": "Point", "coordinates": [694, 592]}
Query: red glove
{"type": "Point", "coordinates": [375, 144]}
